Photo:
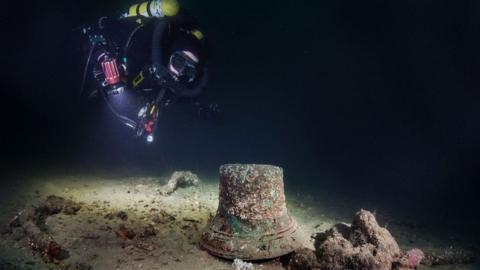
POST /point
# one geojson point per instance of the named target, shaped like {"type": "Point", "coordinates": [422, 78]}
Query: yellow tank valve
{"type": "Point", "coordinates": [154, 8]}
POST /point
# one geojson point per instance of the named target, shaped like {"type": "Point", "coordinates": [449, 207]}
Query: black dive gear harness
{"type": "Point", "coordinates": [112, 68]}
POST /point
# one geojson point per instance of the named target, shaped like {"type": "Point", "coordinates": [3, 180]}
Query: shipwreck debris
{"type": "Point", "coordinates": [252, 222]}
{"type": "Point", "coordinates": [181, 179]}
{"type": "Point", "coordinates": [363, 245]}
{"type": "Point", "coordinates": [144, 246]}
{"type": "Point", "coordinates": [125, 233]}
{"type": "Point", "coordinates": [304, 259]}
{"type": "Point", "coordinates": [414, 257]}
{"type": "Point", "coordinates": [55, 204]}
{"type": "Point", "coordinates": [148, 231]}
{"type": "Point", "coordinates": [30, 224]}
{"type": "Point", "coordinates": [163, 217]}
{"type": "Point", "coordinates": [241, 265]}
{"type": "Point", "coordinates": [122, 215]}
{"type": "Point", "coordinates": [109, 216]}
{"type": "Point", "coordinates": [41, 242]}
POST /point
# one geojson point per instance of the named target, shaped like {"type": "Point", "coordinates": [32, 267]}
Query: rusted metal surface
{"type": "Point", "coordinates": [252, 222]}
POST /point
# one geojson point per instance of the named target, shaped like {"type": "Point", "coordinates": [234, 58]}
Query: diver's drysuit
{"type": "Point", "coordinates": [145, 59]}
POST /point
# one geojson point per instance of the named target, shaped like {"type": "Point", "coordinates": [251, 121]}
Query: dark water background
{"type": "Point", "coordinates": [374, 100]}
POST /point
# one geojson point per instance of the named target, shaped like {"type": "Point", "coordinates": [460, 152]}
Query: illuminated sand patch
{"type": "Point", "coordinates": [91, 237]}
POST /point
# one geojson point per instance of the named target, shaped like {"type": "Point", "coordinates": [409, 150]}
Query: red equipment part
{"type": "Point", "coordinates": [150, 124]}
{"type": "Point", "coordinates": [149, 127]}
{"type": "Point", "coordinates": [110, 69]}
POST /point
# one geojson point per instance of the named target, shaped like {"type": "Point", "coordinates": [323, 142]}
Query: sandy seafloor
{"type": "Point", "coordinates": [88, 238]}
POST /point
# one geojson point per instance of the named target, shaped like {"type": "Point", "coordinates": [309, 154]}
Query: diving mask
{"type": "Point", "coordinates": [183, 65]}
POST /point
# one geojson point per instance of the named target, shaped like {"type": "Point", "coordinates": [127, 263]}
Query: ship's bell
{"type": "Point", "coordinates": [252, 222]}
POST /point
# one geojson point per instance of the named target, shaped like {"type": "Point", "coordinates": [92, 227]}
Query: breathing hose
{"type": "Point", "coordinates": [85, 71]}
{"type": "Point", "coordinates": [127, 121]}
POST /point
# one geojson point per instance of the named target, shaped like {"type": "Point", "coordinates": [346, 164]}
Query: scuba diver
{"type": "Point", "coordinates": [142, 61]}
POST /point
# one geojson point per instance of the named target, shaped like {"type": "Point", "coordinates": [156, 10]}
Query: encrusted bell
{"type": "Point", "coordinates": [252, 222]}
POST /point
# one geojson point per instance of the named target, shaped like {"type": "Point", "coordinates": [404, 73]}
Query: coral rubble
{"type": "Point", "coordinates": [179, 180]}
{"type": "Point", "coordinates": [361, 245]}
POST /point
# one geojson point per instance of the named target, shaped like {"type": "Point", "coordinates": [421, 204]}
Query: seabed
{"type": "Point", "coordinates": [91, 236]}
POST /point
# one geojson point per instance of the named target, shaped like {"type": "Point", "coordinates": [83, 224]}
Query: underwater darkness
{"type": "Point", "coordinates": [377, 101]}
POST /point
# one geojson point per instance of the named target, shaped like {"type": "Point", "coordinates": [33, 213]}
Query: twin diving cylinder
{"type": "Point", "coordinates": [154, 8]}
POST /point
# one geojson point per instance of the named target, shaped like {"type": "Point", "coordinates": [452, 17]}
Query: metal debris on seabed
{"type": "Point", "coordinates": [252, 222]}
{"type": "Point", "coordinates": [31, 222]}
